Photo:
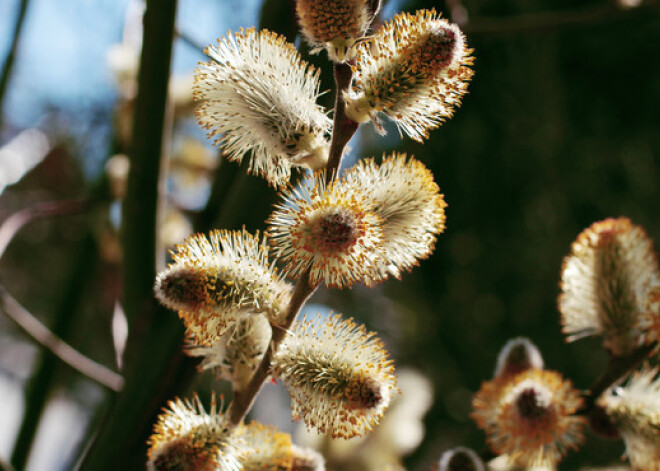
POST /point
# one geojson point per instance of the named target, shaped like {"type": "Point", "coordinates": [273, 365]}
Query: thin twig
{"type": "Point", "coordinates": [343, 127]}
{"type": "Point", "coordinates": [14, 223]}
{"type": "Point", "coordinates": [616, 369]}
{"type": "Point", "coordinates": [65, 352]}
{"type": "Point", "coordinates": [187, 40]}
{"type": "Point", "coordinates": [243, 400]}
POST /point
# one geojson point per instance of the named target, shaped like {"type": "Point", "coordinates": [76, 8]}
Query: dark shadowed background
{"type": "Point", "coordinates": [561, 128]}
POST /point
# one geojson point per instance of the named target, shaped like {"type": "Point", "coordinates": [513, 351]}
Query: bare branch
{"type": "Point", "coordinates": [72, 357]}
{"type": "Point", "coordinates": [16, 221]}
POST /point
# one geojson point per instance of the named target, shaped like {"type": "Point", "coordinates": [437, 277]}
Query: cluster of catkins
{"type": "Point", "coordinates": [258, 99]}
{"type": "Point", "coordinates": [610, 286]}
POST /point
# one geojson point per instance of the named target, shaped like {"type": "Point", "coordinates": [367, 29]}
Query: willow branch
{"type": "Point", "coordinates": [342, 132]}
{"type": "Point", "coordinates": [343, 127]}
{"type": "Point", "coordinates": [244, 399]}
{"type": "Point", "coordinates": [62, 350]}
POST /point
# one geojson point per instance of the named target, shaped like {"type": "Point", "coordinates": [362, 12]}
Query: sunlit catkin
{"type": "Point", "coordinates": [531, 417]}
{"type": "Point", "coordinates": [635, 411]}
{"type": "Point", "coordinates": [188, 438]}
{"type": "Point", "coordinates": [610, 286]}
{"type": "Point", "coordinates": [410, 206]}
{"type": "Point", "coordinates": [257, 97]}
{"type": "Point", "coordinates": [414, 70]}
{"type": "Point", "coordinates": [339, 375]}
{"type": "Point", "coordinates": [330, 229]}
{"type": "Point", "coordinates": [215, 280]}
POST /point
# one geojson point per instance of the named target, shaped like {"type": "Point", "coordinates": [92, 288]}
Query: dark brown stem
{"type": "Point", "coordinates": [342, 132]}
{"type": "Point", "coordinates": [244, 399]}
{"type": "Point", "coordinates": [65, 352]}
{"type": "Point", "coordinates": [616, 369]}
{"type": "Point", "coordinates": [343, 127]}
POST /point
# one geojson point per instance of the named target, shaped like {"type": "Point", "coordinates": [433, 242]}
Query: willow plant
{"type": "Point", "coordinates": [239, 294]}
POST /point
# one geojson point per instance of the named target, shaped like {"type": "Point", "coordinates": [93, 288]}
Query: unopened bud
{"type": "Point", "coordinates": [460, 459]}
{"type": "Point", "coordinates": [335, 24]}
{"type": "Point", "coordinates": [517, 355]}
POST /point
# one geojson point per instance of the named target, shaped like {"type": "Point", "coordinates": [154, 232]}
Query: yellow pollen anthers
{"type": "Point", "coordinates": [187, 437]}
{"type": "Point", "coordinates": [530, 416]}
{"type": "Point", "coordinates": [412, 209]}
{"type": "Point", "coordinates": [518, 354]}
{"type": "Point", "coordinates": [215, 280]}
{"type": "Point", "coordinates": [330, 229]}
{"type": "Point", "coordinates": [339, 375]}
{"type": "Point", "coordinates": [334, 24]}
{"type": "Point", "coordinates": [610, 286]}
{"type": "Point", "coordinates": [414, 70]}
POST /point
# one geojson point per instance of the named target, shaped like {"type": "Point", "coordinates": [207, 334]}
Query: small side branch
{"type": "Point", "coordinates": [616, 369]}
{"type": "Point", "coordinates": [72, 357]}
{"type": "Point", "coordinates": [14, 223]}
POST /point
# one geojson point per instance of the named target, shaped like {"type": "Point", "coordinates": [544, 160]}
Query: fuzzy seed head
{"type": "Point", "coordinates": [635, 410]}
{"type": "Point", "coordinates": [330, 229]}
{"type": "Point", "coordinates": [339, 376]}
{"type": "Point", "coordinates": [518, 355]}
{"type": "Point", "coordinates": [236, 355]}
{"type": "Point", "coordinates": [215, 280]}
{"type": "Point", "coordinates": [530, 416]}
{"type": "Point", "coordinates": [410, 205]}
{"type": "Point", "coordinates": [187, 438]}
{"type": "Point", "coordinates": [334, 24]}
{"type": "Point", "coordinates": [610, 285]}
{"type": "Point", "coordinates": [414, 70]}
{"type": "Point", "coordinates": [258, 97]}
